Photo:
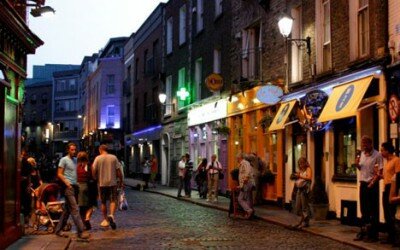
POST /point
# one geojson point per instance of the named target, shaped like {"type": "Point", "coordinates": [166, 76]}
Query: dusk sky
{"type": "Point", "coordinates": [82, 27]}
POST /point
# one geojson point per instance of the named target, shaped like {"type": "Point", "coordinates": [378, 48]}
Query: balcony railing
{"type": "Point", "coordinates": [66, 93]}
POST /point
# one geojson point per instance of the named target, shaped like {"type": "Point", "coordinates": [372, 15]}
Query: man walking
{"type": "Point", "coordinates": [106, 169]}
{"type": "Point", "coordinates": [67, 174]}
{"type": "Point", "coordinates": [181, 173]}
{"type": "Point", "coordinates": [188, 176]}
{"type": "Point", "coordinates": [213, 169]}
{"type": "Point", "coordinates": [369, 163]}
{"type": "Point", "coordinates": [246, 184]}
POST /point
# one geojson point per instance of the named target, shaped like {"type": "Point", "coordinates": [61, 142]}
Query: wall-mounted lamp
{"type": "Point", "coordinates": [42, 11]}
{"type": "Point", "coordinates": [162, 97]}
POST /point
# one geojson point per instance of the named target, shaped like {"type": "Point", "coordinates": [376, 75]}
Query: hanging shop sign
{"type": "Point", "coordinates": [214, 82]}
{"type": "Point", "coordinates": [311, 106]}
{"type": "Point", "coordinates": [393, 108]}
{"type": "Point", "coordinates": [209, 112]}
{"type": "Point", "coordinates": [269, 94]}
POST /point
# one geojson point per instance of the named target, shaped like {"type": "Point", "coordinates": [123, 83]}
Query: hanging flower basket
{"type": "Point", "coordinates": [223, 130]}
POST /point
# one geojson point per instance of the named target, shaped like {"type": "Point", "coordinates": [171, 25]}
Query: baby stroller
{"type": "Point", "coordinates": [49, 208]}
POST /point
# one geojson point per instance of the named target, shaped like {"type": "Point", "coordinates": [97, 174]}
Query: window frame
{"type": "Point", "coordinates": [182, 24]}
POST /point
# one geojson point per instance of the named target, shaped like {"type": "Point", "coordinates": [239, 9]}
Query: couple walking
{"type": "Point", "coordinates": [106, 168]}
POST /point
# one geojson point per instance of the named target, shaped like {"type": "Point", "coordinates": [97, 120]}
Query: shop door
{"type": "Point", "coordinates": [223, 159]}
{"type": "Point", "coordinates": [319, 153]}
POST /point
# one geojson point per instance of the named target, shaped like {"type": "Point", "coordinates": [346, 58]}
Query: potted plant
{"type": "Point", "coordinates": [319, 202]}
{"type": "Point", "coordinates": [223, 130]}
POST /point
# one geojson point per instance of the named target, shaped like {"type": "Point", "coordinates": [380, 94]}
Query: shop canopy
{"type": "Point", "coordinates": [282, 115]}
{"type": "Point", "coordinates": [345, 99]}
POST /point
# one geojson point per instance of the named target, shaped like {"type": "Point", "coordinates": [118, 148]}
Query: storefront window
{"type": "Point", "coordinates": [238, 134]}
{"type": "Point", "coordinates": [345, 149]}
{"type": "Point", "coordinates": [299, 145]}
{"type": "Point", "coordinates": [270, 151]}
{"type": "Point", "coordinates": [252, 131]}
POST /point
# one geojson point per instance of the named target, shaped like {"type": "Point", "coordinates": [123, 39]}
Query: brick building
{"type": "Point", "coordinates": [196, 47]}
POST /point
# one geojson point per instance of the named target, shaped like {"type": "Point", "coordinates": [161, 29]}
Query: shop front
{"type": "Point", "coordinates": [248, 121]}
{"type": "Point", "coordinates": [207, 135]}
{"type": "Point", "coordinates": [143, 143]}
{"type": "Point", "coordinates": [354, 107]}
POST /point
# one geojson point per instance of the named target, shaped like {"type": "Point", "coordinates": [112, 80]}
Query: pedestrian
{"type": "Point", "coordinates": [389, 168]}
{"type": "Point", "coordinates": [188, 176]}
{"type": "Point", "coordinates": [213, 168]}
{"type": "Point", "coordinates": [366, 162]}
{"type": "Point", "coordinates": [246, 185]}
{"type": "Point", "coordinates": [395, 201]}
{"type": "Point", "coordinates": [26, 193]}
{"type": "Point", "coordinates": [181, 174]}
{"type": "Point", "coordinates": [146, 171]}
{"type": "Point", "coordinates": [106, 169]}
{"type": "Point", "coordinates": [87, 198]}
{"type": "Point", "coordinates": [201, 178]}
{"type": "Point", "coordinates": [153, 170]}
{"type": "Point", "coordinates": [303, 185]}
{"type": "Point", "coordinates": [67, 174]}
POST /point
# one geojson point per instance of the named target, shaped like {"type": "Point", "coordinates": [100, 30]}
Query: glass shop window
{"type": "Point", "coordinates": [299, 144]}
{"type": "Point", "coordinates": [345, 149]}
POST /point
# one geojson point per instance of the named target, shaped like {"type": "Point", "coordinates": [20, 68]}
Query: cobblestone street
{"type": "Point", "coordinates": [158, 222]}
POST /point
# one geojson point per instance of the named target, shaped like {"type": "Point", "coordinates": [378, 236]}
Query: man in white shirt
{"type": "Point", "coordinates": [181, 173]}
{"type": "Point", "coordinates": [213, 168]}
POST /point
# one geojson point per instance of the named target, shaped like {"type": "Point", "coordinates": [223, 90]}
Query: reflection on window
{"type": "Point", "coordinates": [345, 148]}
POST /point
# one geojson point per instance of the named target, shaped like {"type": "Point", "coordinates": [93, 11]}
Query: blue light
{"type": "Point", "coordinates": [150, 129]}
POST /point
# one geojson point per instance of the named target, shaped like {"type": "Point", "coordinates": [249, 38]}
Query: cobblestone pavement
{"type": "Point", "coordinates": [157, 222]}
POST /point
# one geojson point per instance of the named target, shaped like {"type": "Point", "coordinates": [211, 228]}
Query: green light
{"type": "Point", "coordinates": [182, 94]}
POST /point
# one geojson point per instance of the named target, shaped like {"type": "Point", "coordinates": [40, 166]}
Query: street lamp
{"type": "Point", "coordinates": [45, 11]}
{"type": "Point", "coordinates": [285, 25]}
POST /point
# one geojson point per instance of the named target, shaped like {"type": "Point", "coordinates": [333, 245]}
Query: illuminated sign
{"type": "Point", "coordinates": [214, 82]}
{"type": "Point", "coordinates": [182, 94]}
{"type": "Point", "coordinates": [269, 94]}
{"type": "Point", "coordinates": [209, 112]}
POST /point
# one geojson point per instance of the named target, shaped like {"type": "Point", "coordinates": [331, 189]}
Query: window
{"type": "Point", "coordinates": [33, 99]}
{"type": "Point", "coordinates": [44, 98]}
{"type": "Point", "coordinates": [181, 84]}
{"type": "Point", "coordinates": [182, 25]}
{"type": "Point", "coordinates": [155, 52]}
{"type": "Point", "coordinates": [363, 28]}
{"type": "Point", "coordinates": [169, 35]}
{"type": "Point", "coordinates": [359, 29]}
{"type": "Point", "coordinates": [217, 61]}
{"type": "Point", "coordinates": [110, 116]}
{"type": "Point", "coordinates": [145, 57]}
{"type": "Point", "coordinates": [135, 111]}
{"type": "Point", "coordinates": [168, 92]}
{"type": "Point", "coordinates": [218, 8]}
{"type": "Point", "coordinates": [72, 84]}
{"type": "Point", "coordinates": [198, 77]}
{"type": "Point", "coordinates": [345, 148]}
{"type": "Point", "coordinates": [296, 52]}
{"type": "Point", "coordinates": [323, 36]}
{"type": "Point", "coordinates": [110, 84]}
{"type": "Point", "coordinates": [199, 16]}
{"type": "Point", "coordinates": [251, 47]}
{"type": "Point", "coordinates": [299, 145]}
{"type": "Point", "coordinates": [144, 105]}
{"type": "Point", "coordinates": [136, 70]}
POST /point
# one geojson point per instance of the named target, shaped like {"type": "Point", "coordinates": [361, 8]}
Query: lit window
{"type": "Point", "coordinates": [182, 25]}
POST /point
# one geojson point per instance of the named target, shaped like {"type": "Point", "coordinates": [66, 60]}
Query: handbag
{"type": "Point", "coordinates": [220, 175]}
{"type": "Point", "coordinates": [122, 202]}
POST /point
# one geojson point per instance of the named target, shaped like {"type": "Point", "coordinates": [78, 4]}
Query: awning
{"type": "Point", "coordinates": [282, 115]}
{"type": "Point", "coordinates": [344, 100]}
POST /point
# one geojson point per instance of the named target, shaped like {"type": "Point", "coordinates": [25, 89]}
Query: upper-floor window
{"type": "Point", "coordinates": [169, 35]}
{"type": "Point", "coordinates": [182, 24]}
{"type": "Point", "coordinates": [136, 70]}
{"type": "Point", "coordinates": [359, 29]}
{"type": "Point", "coordinates": [181, 84]}
{"type": "Point", "coordinates": [217, 61]}
{"type": "Point", "coordinates": [198, 77]}
{"type": "Point", "coordinates": [296, 67]}
{"type": "Point", "coordinates": [251, 56]}
{"type": "Point", "coordinates": [218, 7]}
{"type": "Point", "coordinates": [110, 116]}
{"type": "Point", "coordinates": [110, 88]}
{"type": "Point", "coordinates": [199, 15]}
{"type": "Point", "coordinates": [72, 84]}
{"type": "Point", "coordinates": [145, 57]}
{"type": "Point", "coordinates": [33, 99]}
{"type": "Point", "coordinates": [323, 36]}
{"type": "Point", "coordinates": [44, 98]}
{"type": "Point", "coordinates": [168, 92]}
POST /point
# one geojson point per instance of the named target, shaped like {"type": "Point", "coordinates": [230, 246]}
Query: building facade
{"type": "Point", "coordinates": [146, 50]}
{"type": "Point", "coordinates": [196, 47]}
{"type": "Point", "coordinates": [17, 41]}
{"type": "Point", "coordinates": [103, 105]}
{"type": "Point", "coordinates": [65, 121]}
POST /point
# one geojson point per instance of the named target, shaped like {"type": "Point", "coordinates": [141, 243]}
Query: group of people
{"type": "Point", "coordinates": [150, 171]}
{"type": "Point", "coordinates": [81, 184]}
{"type": "Point", "coordinates": [371, 165]}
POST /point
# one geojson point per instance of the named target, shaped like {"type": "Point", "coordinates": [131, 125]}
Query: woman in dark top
{"type": "Point", "coordinates": [201, 178]}
{"type": "Point", "coordinates": [87, 197]}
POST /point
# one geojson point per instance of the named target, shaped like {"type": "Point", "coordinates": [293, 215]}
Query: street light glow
{"type": "Point", "coordinates": [285, 26]}
{"type": "Point", "coordinates": [162, 97]}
